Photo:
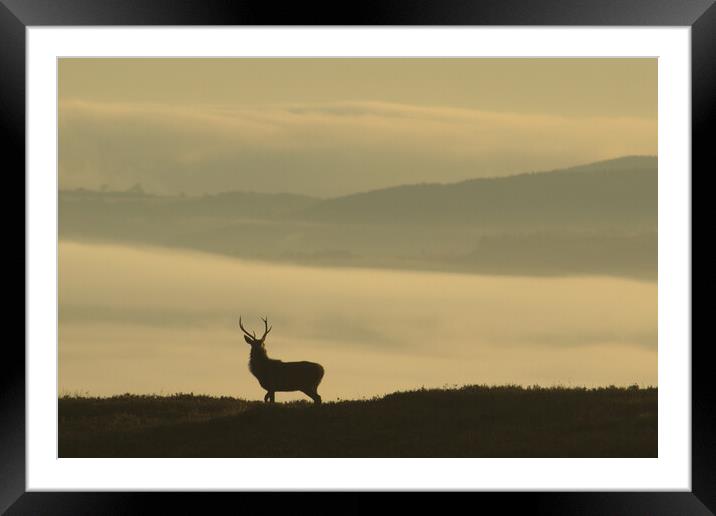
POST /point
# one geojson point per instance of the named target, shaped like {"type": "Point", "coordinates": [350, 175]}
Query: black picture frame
{"type": "Point", "coordinates": [16, 15]}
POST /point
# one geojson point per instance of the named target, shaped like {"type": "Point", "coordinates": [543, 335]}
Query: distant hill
{"type": "Point", "coordinates": [226, 205]}
{"type": "Point", "coordinates": [593, 219]}
{"type": "Point", "coordinates": [617, 193]}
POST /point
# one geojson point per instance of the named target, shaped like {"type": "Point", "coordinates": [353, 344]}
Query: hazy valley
{"type": "Point", "coordinates": [593, 219]}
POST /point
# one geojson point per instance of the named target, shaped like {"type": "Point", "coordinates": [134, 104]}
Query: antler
{"type": "Point", "coordinates": [267, 328]}
{"type": "Point", "coordinates": [252, 334]}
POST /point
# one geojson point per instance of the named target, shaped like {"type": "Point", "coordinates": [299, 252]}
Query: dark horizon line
{"type": "Point", "coordinates": [78, 394]}
{"type": "Point", "coordinates": [139, 190]}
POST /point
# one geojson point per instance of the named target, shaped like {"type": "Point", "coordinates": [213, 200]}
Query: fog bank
{"type": "Point", "coordinates": [146, 320]}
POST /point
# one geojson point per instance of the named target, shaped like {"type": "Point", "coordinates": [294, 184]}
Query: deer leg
{"type": "Point", "coordinates": [314, 396]}
{"type": "Point", "coordinates": [273, 396]}
{"type": "Point", "coordinates": [268, 395]}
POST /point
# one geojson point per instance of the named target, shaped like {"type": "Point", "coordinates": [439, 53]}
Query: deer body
{"type": "Point", "coordinates": [278, 376]}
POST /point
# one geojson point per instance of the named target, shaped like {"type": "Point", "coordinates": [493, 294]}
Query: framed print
{"type": "Point", "coordinates": [438, 249]}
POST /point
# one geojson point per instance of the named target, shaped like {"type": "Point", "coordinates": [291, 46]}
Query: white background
{"type": "Point", "coordinates": [670, 471]}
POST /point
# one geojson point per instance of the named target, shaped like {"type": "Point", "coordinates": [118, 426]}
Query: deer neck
{"type": "Point", "coordinates": [258, 356]}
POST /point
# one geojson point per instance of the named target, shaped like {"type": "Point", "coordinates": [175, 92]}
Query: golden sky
{"type": "Point", "coordinates": [334, 126]}
{"type": "Point", "coordinates": [130, 322]}
{"type": "Point", "coordinates": [130, 319]}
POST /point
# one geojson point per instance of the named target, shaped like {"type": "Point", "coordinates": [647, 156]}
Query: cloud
{"type": "Point", "coordinates": [323, 149]}
{"type": "Point", "coordinates": [642, 337]}
{"type": "Point", "coordinates": [82, 313]}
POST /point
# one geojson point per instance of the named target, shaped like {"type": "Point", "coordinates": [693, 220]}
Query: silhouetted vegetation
{"type": "Point", "coordinates": [473, 421]}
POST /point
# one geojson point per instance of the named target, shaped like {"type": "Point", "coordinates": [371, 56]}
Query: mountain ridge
{"type": "Point", "coordinates": [596, 218]}
{"type": "Point", "coordinates": [137, 191]}
{"type": "Point", "coordinates": [613, 190]}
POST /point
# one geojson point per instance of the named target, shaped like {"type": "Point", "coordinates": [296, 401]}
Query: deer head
{"type": "Point", "coordinates": [251, 338]}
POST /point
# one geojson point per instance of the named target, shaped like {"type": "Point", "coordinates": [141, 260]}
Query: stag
{"type": "Point", "coordinates": [278, 376]}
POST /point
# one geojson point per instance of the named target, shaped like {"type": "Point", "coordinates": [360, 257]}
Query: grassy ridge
{"type": "Point", "coordinates": [474, 421]}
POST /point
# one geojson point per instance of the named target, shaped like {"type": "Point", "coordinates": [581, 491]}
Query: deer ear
{"type": "Point", "coordinates": [248, 340]}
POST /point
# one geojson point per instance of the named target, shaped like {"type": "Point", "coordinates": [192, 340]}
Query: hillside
{"type": "Point", "coordinates": [227, 205]}
{"type": "Point", "coordinates": [474, 421]}
{"type": "Point", "coordinates": [593, 219]}
{"type": "Point", "coordinates": [608, 194]}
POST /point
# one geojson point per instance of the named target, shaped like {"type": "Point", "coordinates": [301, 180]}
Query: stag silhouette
{"type": "Point", "coordinates": [278, 376]}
